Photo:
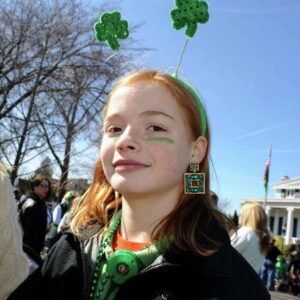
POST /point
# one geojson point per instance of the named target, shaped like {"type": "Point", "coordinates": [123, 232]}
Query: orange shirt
{"type": "Point", "coordinates": [120, 244]}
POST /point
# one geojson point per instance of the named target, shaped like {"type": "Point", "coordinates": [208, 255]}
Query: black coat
{"type": "Point", "coordinates": [33, 218]}
{"type": "Point", "coordinates": [67, 274]}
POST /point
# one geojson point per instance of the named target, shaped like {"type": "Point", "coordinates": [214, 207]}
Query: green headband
{"type": "Point", "coordinates": [199, 103]}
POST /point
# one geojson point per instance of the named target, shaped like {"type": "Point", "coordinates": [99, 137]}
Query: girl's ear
{"type": "Point", "coordinates": [199, 149]}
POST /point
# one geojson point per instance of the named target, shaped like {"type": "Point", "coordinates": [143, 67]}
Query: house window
{"type": "Point", "coordinates": [295, 225]}
{"type": "Point", "coordinates": [283, 193]}
{"type": "Point", "coordinates": [297, 194]}
{"type": "Point", "coordinates": [271, 222]}
{"type": "Point", "coordinates": [280, 223]}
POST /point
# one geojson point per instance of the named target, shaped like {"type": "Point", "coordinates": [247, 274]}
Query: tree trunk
{"type": "Point", "coordinates": [65, 167]}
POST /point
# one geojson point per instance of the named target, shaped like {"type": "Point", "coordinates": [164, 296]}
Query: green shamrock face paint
{"type": "Point", "coordinates": [110, 28]}
{"type": "Point", "coordinates": [160, 139]}
{"type": "Point", "coordinates": [189, 13]}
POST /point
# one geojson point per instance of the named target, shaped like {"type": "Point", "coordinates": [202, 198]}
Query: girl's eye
{"type": "Point", "coordinates": [156, 128]}
{"type": "Point", "coordinates": [113, 129]}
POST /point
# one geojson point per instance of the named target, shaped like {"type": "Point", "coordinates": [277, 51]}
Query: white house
{"type": "Point", "coordinates": [284, 209]}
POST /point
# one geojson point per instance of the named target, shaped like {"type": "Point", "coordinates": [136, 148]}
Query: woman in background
{"type": "Point", "coordinates": [252, 238]}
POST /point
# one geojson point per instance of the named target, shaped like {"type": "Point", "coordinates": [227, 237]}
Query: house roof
{"type": "Point", "coordinates": [288, 184]}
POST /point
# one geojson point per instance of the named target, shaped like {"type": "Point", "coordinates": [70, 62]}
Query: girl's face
{"type": "Point", "coordinates": [146, 144]}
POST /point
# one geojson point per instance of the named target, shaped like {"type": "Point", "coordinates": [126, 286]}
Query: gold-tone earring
{"type": "Point", "coordinates": [194, 183]}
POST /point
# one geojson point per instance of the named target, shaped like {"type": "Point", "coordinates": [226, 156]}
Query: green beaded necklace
{"type": "Point", "coordinates": [115, 268]}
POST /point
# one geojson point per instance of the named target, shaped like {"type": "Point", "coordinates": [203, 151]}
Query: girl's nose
{"type": "Point", "coordinates": [128, 141]}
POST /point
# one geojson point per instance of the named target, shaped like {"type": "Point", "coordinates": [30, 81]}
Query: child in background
{"type": "Point", "coordinates": [282, 279]}
{"type": "Point", "coordinates": [147, 227]}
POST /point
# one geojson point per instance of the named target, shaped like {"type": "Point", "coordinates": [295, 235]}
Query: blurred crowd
{"type": "Point", "coordinates": [42, 221]}
{"type": "Point", "coordinates": [277, 269]}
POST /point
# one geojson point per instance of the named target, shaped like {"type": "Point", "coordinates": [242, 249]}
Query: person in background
{"type": "Point", "coordinates": [281, 267]}
{"type": "Point", "coordinates": [267, 273]}
{"type": "Point", "coordinates": [49, 216]}
{"type": "Point", "coordinates": [283, 281]}
{"type": "Point", "coordinates": [214, 198]}
{"type": "Point", "coordinates": [14, 265]}
{"type": "Point", "coordinates": [296, 259]}
{"type": "Point", "coordinates": [65, 221]}
{"type": "Point", "coordinates": [57, 215]}
{"type": "Point", "coordinates": [17, 194]}
{"type": "Point", "coordinates": [252, 238]}
{"type": "Point", "coordinates": [33, 214]}
{"type": "Point", "coordinates": [292, 257]}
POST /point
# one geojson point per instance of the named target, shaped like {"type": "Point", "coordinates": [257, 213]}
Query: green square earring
{"type": "Point", "coordinates": [194, 183]}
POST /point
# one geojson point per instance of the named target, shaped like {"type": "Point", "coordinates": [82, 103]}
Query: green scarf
{"type": "Point", "coordinates": [114, 268]}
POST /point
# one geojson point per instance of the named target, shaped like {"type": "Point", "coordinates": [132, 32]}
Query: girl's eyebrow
{"type": "Point", "coordinates": [157, 113]}
{"type": "Point", "coordinates": [145, 113]}
{"type": "Point", "coordinates": [111, 117]}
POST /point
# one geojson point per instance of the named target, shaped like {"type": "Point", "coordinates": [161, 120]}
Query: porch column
{"type": "Point", "coordinates": [289, 225]}
{"type": "Point", "coordinates": [267, 209]}
{"type": "Point", "coordinates": [275, 230]}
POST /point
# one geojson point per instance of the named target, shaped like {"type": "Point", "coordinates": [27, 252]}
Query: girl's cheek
{"type": "Point", "coordinates": [108, 143]}
{"type": "Point", "coordinates": [104, 149]}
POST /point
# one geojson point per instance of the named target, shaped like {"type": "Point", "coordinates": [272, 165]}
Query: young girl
{"type": "Point", "coordinates": [140, 232]}
{"type": "Point", "coordinates": [253, 238]}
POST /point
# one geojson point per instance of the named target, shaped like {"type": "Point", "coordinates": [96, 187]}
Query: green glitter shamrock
{"type": "Point", "coordinates": [189, 13]}
{"type": "Point", "coordinates": [110, 28]}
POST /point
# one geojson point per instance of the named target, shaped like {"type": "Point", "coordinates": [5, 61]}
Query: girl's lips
{"type": "Point", "coordinates": [128, 165]}
{"type": "Point", "coordinates": [128, 168]}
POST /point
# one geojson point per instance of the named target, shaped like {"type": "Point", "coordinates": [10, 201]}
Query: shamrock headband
{"type": "Point", "coordinates": [188, 13]}
{"type": "Point", "coordinates": [199, 103]}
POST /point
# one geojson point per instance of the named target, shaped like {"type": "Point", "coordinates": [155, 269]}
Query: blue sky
{"type": "Point", "coordinates": [245, 63]}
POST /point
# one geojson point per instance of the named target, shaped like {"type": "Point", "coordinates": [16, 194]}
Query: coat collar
{"type": "Point", "coordinates": [219, 264]}
{"type": "Point", "coordinates": [36, 198]}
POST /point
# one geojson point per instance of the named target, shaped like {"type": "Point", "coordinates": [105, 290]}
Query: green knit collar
{"type": "Point", "coordinates": [147, 255]}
